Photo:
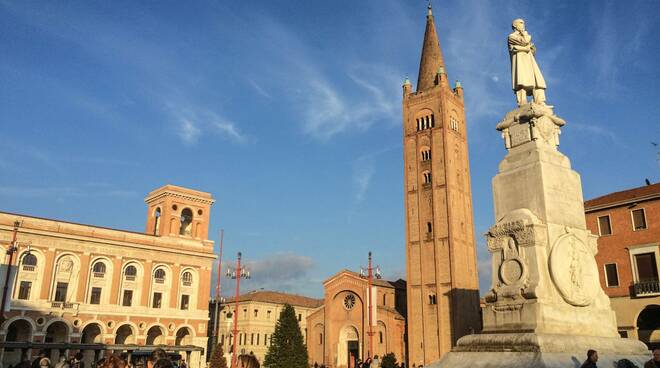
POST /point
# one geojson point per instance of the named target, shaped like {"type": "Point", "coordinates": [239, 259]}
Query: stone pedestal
{"type": "Point", "coordinates": [545, 307]}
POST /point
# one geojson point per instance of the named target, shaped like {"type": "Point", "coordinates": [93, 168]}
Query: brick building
{"type": "Point", "coordinates": [441, 260]}
{"type": "Point", "coordinates": [339, 329]}
{"type": "Point", "coordinates": [628, 258]}
{"type": "Point", "coordinates": [87, 288]}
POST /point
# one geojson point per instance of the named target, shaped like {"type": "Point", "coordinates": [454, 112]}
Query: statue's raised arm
{"type": "Point", "coordinates": [526, 77]}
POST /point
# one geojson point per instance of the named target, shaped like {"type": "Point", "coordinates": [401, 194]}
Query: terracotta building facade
{"type": "Point", "coordinates": [338, 331]}
{"type": "Point", "coordinates": [443, 289]}
{"type": "Point", "coordinates": [628, 225]}
{"type": "Point", "coordinates": [86, 288]}
{"type": "Point", "coordinates": [258, 312]}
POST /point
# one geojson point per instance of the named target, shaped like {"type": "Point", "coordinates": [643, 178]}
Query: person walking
{"type": "Point", "coordinates": [62, 363]}
{"type": "Point", "coordinates": [655, 361]}
{"type": "Point", "coordinates": [44, 363]}
{"type": "Point", "coordinates": [592, 358]}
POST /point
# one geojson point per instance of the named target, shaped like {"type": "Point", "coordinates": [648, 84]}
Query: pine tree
{"type": "Point", "coordinates": [218, 358]}
{"type": "Point", "coordinates": [388, 361]}
{"type": "Point", "coordinates": [287, 348]}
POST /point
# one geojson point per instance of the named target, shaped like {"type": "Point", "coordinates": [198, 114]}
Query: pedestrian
{"type": "Point", "coordinates": [44, 363]}
{"type": "Point", "coordinates": [367, 363]}
{"type": "Point", "coordinates": [592, 358]}
{"type": "Point", "coordinates": [77, 361]}
{"type": "Point", "coordinates": [655, 361]}
{"type": "Point", "coordinates": [376, 362]}
{"type": "Point", "coordinates": [35, 362]}
{"type": "Point", "coordinates": [156, 355]}
{"type": "Point", "coordinates": [62, 363]}
{"type": "Point", "coordinates": [114, 361]}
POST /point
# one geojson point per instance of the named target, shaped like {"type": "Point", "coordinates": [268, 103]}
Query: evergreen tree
{"type": "Point", "coordinates": [287, 348]}
{"type": "Point", "coordinates": [388, 361]}
{"type": "Point", "coordinates": [218, 358]}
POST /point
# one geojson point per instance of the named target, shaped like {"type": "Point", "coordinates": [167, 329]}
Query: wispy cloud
{"type": "Point", "coordinates": [192, 122]}
{"type": "Point", "coordinates": [596, 131]}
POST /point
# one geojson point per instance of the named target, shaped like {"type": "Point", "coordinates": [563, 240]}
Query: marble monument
{"type": "Point", "coordinates": [546, 307]}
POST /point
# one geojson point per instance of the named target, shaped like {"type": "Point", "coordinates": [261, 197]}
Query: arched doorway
{"type": "Point", "coordinates": [155, 336]}
{"type": "Point", "coordinates": [648, 326]}
{"type": "Point", "coordinates": [18, 331]}
{"type": "Point", "coordinates": [125, 335]}
{"type": "Point", "coordinates": [91, 334]}
{"type": "Point", "coordinates": [349, 346]}
{"type": "Point", "coordinates": [183, 336]}
{"type": "Point", "coordinates": [56, 332]}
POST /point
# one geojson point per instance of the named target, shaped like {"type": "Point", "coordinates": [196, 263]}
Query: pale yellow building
{"type": "Point", "coordinates": [258, 312]}
{"type": "Point", "coordinates": [87, 288]}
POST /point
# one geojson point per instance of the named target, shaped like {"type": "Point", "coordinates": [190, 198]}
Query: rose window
{"type": "Point", "coordinates": [349, 301]}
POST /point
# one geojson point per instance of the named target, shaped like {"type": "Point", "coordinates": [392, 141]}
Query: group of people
{"type": "Point", "coordinates": [592, 359]}
{"type": "Point", "coordinates": [157, 359]}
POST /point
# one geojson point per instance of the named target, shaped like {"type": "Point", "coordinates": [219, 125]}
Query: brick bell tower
{"type": "Point", "coordinates": [443, 288]}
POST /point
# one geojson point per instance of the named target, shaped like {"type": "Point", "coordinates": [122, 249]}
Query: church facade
{"type": "Point", "coordinates": [442, 283]}
{"type": "Point", "coordinates": [339, 331]}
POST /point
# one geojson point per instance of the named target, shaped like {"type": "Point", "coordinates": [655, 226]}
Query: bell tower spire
{"type": "Point", "coordinates": [431, 60]}
{"type": "Point", "coordinates": [441, 258]}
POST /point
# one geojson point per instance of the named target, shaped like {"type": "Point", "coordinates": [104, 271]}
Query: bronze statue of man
{"type": "Point", "coordinates": [526, 77]}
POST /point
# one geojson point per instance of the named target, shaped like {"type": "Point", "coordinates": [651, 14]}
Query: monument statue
{"type": "Point", "coordinates": [545, 307]}
{"type": "Point", "coordinates": [526, 76]}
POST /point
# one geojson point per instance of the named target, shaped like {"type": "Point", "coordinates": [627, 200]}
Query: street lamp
{"type": "Point", "coordinates": [369, 273]}
{"type": "Point", "coordinates": [237, 273]}
{"type": "Point", "coordinates": [11, 249]}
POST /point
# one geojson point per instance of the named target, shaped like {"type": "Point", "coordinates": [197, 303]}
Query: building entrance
{"type": "Point", "coordinates": [353, 353]}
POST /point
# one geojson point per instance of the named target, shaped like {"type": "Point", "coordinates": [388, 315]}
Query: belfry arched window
{"type": "Point", "coordinates": [187, 278]}
{"type": "Point", "coordinates": [159, 276]}
{"type": "Point", "coordinates": [427, 177]}
{"type": "Point", "coordinates": [186, 222]}
{"type": "Point", "coordinates": [130, 273]}
{"type": "Point", "coordinates": [157, 214]}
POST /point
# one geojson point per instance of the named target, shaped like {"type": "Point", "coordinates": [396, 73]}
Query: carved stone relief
{"type": "Point", "coordinates": [573, 270]}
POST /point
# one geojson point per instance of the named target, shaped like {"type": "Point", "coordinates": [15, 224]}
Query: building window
{"type": "Point", "coordinates": [187, 278]}
{"type": "Point", "coordinates": [159, 276]}
{"type": "Point", "coordinates": [156, 302]}
{"type": "Point", "coordinates": [267, 314]}
{"type": "Point", "coordinates": [130, 273]}
{"type": "Point", "coordinates": [425, 122]}
{"type": "Point", "coordinates": [427, 177]}
{"type": "Point", "coordinates": [24, 290]}
{"type": "Point", "coordinates": [432, 299]}
{"type": "Point", "coordinates": [127, 299]}
{"type": "Point", "coordinates": [380, 336]}
{"type": "Point", "coordinates": [29, 262]}
{"type": "Point", "coordinates": [256, 313]}
{"type": "Point", "coordinates": [623, 334]}
{"type": "Point", "coordinates": [611, 275]}
{"type": "Point", "coordinates": [157, 220]}
{"type": "Point", "coordinates": [320, 339]}
{"type": "Point", "coordinates": [604, 227]}
{"type": "Point", "coordinates": [384, 299]}
{"type": "Point", "coordinates": [252, 338]}
{"type": "Point", "coordinates": [99, 269]}
{"type": "Point", "coordinates": [429, 227]}
{"type": "Point", "coordinates": [185, 301]}
{"type": "Point", "coordinates": [453, 124]}
{"type": "Point", "coordinates": [639, 219]}
{"type": "Point", "coordinates": [95, 296]}
{"type": "Point", "coordinates": [265, 339]}
{"type": "Point", "coordinates": [186, 222]}
{"type": "Point", "coordinates": [299, 317]}
{"type": "Point", "coordinates": [61, 291]}
{"type": "Point", "coordinates": [258, 336]}
{"type": "Point", "coordinates": [426, 154]}
{"type": "Point", "coordinates": [244, 313]}
{"type": "Point", "coordinates": [647, 269]}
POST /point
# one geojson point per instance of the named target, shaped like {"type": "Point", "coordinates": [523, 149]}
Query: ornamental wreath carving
{"type": "Point", "coordinates": [574, 271]}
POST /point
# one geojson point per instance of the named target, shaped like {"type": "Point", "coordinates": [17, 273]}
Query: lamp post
{"type": "Point", "coordinates": [369, 273]}
{"type": "Point", "coordinates": [237, 273]}
{"type": "Point", "coordinates": [216, 325]}
{"type": "Point", "coordinates": [11, 249]}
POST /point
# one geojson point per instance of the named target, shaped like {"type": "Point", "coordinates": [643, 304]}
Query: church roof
{"type": "Point", "coordinates": [431, 59]}
{"type": "Point", "coordinates": [398, 284]}
{"type": "Point", "coordinates": [277, 297]}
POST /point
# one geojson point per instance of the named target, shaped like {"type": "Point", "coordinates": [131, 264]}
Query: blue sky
{"type": "Point", "coordinates": [289, 113]}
